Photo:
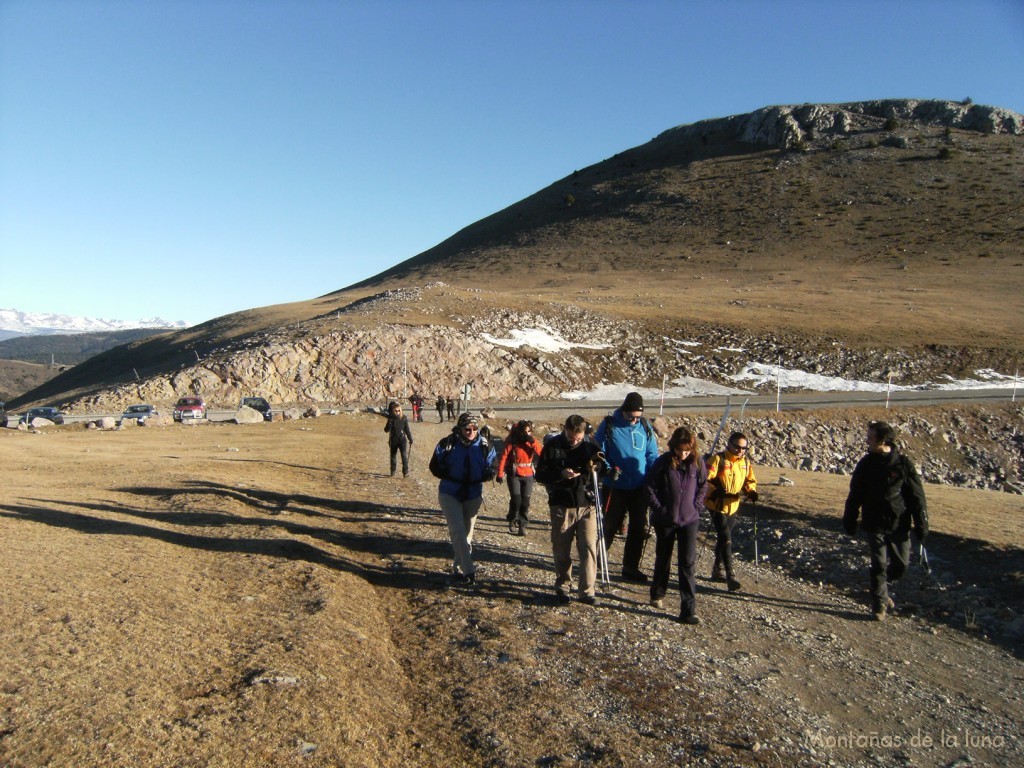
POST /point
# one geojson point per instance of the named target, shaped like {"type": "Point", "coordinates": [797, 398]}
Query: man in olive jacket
{"type": "Point", "coordinates": [887, 492]}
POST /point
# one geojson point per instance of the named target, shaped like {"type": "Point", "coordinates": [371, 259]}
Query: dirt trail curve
{"type": "Point", "coordinates": [267, 595]}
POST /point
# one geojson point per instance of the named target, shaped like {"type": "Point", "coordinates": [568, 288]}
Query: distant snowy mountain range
{"type": "Point", "coordinates": [14, 323]}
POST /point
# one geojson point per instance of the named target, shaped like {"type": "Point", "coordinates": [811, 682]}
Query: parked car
{"type": "Point", "coordinates": [189, 409]}
{"type": "Point", "coordinates": [46, 412]}
{"type": "Point", "coordinates": [259, 404]}
{"type": "Point", "coordinates": [139, 413]}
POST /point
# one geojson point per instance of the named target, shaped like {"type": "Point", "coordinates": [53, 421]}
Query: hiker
{"type": "Point", "coordinates": [518, 458]}
{"type": "Point", "coordinates": [730, 475]}
{"type": "Point", "coordinates": [440, 409]}
{"type": "Point", "coordinates": [565, 468]}
{"type": "Point", "coordinates": [628, 442]}
{"type": "Point", "coordinates": [463, 461]}
{"type": "Point", "coordinates": [676, 486]}
{"type": "Point", "coordinates": [450, 404]}
{"type": "Point", "coordinates": [887, 493]}
{"type": "Point", "coordinates": [399, 437]}
{"type": "Point", "coordinates": [417, 406]}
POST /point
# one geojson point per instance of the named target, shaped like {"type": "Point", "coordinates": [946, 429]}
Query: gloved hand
{"type": "Point", "coordinates": [752, 495]}
{"type": "Point", "coordinates": [920, 531]}
{"type": "Point", "coordinates": [616, 473]}
{"type": "Point", "coordinates": [499, 480]}
{"type": "Point", "coordinates": [851, 527]}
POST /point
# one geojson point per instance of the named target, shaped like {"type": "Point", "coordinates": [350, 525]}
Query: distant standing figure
{"type": "Point", "coordinates": [730, 475]}
{"type": "Point", "coordinates": [440, 409]}
{"type": "Point", "coordinates": [417, 407]}
{"type": "Point", "coordinates": [518, 458]}
{"type": "Point", "coordinates": [399, 437]}
{"type": "Point", "coordinates": [450, 403]}
{"type": "Point", "coordinates": [887, 490]}
{"type": "Point", "coordinates": [463, 461]}
{"type": "Point", "coordinates": [676, 486]}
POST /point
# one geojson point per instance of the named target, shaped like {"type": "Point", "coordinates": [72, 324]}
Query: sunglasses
{"type": "Point", "coordinates": [470, 428]}
{"type": "Point", "coordinates": [736, 447]}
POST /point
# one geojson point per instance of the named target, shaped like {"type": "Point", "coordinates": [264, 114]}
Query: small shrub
{"type": "Point", "coordinates": [570, 201]}
{"type": "Point", "coordinates": [946, 153]}
{"type": "Point", "coordinates": [891, 123]}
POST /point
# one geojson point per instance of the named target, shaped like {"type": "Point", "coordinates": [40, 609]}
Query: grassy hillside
{"type": "Point", "coordinates": [886, 225]}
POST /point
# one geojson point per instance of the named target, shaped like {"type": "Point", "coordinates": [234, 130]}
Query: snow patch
{"type": "Point", "coordinates": [544, 338]}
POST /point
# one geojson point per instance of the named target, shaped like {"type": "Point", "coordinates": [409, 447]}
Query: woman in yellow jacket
{"type": "Point", "coordinates": [730, 476]}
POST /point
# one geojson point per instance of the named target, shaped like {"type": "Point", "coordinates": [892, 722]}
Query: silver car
{"type": "Point", "coordinates": [139, 413]}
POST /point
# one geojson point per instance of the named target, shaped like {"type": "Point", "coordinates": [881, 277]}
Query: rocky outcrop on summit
{"type": "Point", "coordinates": [788, 127]}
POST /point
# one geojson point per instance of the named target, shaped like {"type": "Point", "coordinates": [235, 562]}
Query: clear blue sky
{"type": "Point", "coordinates": [185, 159]}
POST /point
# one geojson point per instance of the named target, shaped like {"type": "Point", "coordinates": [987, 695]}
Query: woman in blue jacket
{"type": "Point", "coordinates": [464, 461]}
{"type": "Point", "coordinates": [676, 486]}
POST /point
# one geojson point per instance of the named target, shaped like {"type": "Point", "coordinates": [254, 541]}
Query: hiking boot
{"type": "Point", "coordinates": [657, 602]}
{"type": "Point", "coordinates": [880, 614]}
{"type": "Point", "coordinates": [717, 575]}
{"type": "Point", "coordinates": [635, 576]}
{"type": "Point", "coordinates": [588, 599]}
{"type": "Point", "coordinates": [513, 527]}
{"type": "Point", "coordinates": [734, 586]}
{"type": "Point", "coordinates": [692, 619]}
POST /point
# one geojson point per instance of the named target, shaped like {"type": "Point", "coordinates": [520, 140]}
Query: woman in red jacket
{"type": "Point", "coordinates": [517, 460]}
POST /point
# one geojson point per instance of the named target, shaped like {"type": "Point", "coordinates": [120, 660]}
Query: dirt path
{"type": "Point", "coordinates": [265, 594]}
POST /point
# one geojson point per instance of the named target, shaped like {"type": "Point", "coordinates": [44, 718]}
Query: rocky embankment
{"type": "Point", "coordinates": [970, 447]}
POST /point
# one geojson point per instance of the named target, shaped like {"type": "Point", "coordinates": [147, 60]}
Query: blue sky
{"type": "Point", "coordinates": [186, 159]}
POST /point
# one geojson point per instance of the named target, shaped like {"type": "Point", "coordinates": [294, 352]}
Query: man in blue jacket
{"type": "Point", "coordinates": [630, 447]}
{"type": "Point", "coordinates": [463, 461]}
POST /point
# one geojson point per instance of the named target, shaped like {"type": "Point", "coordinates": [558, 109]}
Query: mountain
{"type": "Point", "coordinates": [855, 240]}
{"type": "Point", "coordinates": [16, 323]}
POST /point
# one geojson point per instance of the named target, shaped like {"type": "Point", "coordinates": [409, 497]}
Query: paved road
{"type": "Point", "coordinates": [795, 401]}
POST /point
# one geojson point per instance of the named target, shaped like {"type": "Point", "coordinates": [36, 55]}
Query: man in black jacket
{"type": "Point", "coordinates": [565, 467]}
{"type": "Point", "coordinates": [887, 492]}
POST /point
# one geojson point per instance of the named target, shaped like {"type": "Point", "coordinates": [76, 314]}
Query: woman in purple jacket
{"type": "Point", "coordinates": [676, 486]}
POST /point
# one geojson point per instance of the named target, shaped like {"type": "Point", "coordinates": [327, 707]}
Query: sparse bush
{"type": "Point", "coordinates": [570, 201]}
{"type": "Point", "coordinates": [891, 123]}
{"type": "Point", "coordinates": [946, 153]}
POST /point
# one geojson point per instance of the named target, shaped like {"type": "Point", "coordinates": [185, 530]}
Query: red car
{"type": "Point", "coordinates": [189, 409]}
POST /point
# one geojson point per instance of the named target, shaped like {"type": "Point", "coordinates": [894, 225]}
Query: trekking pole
{"type": "Point", "coordinates": [721, 426]}
{"type": "Point", "coordinates": [922, 555]}
{"type": "Point", "coordinates": [757, 559]}
{"type": "Point", "coordinates": [602, 552]}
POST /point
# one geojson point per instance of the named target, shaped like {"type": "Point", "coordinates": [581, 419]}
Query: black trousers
{"type": "Point", "coordinates": [404, 448]}
{"type": "Point", "coordinates": [723, 545]}
{"type": "Point", "coordinates": [890, 554]}
{"type": "Point", "coordinates": [665, 541]}
{"type": "Point", "coordinates": [619, 503]}
{"type": "Point", "coordinates": [520, 490]}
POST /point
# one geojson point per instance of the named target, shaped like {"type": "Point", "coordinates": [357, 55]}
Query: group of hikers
{"type": "Point", "coordinates": [601, 481]}
{"type": "Point", "coordinates": [443, 404]}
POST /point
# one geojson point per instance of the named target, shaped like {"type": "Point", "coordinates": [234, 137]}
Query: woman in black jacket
{"type": "Point", "coordinates": [399, 437]}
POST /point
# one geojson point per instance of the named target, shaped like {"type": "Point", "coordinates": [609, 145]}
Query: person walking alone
{"type": "Point", "coordinates": [628, 442]}
{"type": "Point", "coordinates": [463, 461]}
{"type": "Point", "coordinates": [439, 404]}
{"type": "Point", "coordinates": [676, 487]}
{"type": "Point", "coordinates": [730, 475]}
{"type": "Point", "coordinates": [887, 492]}
{"type": "Point", "coordinates": [565, 468]}
{"type": "Point", "coordinates": [518, 458]}
{"type": "Point", "coordinates": [399, 438]}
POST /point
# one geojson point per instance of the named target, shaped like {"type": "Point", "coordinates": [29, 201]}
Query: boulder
{"type": "Point", "coordinates": [313, 412]}
{"type": "Point", "coordinates": [291, 414]}
{"type": "Point", "coordinates": [107, 422]}
{"type": "Point", "coordinates": [247, 415]}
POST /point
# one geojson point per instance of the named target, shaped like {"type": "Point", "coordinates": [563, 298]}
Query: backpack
{"type": "Point", "coordinates": [438, 467]}
{"type": "Point", "coordinates": [609, 425]}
